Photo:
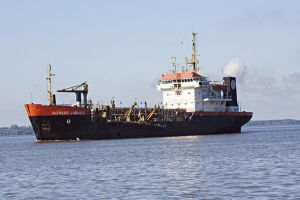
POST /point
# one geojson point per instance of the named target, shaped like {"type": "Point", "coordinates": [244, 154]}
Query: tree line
{"type": "Point", "coordinates": [14, 129]}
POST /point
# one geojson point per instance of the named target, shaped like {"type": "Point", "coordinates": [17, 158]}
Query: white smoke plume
{"type": "Point", "coordinates": [288, 85]}
{"type": "Point", "coordinates": [236, 68]}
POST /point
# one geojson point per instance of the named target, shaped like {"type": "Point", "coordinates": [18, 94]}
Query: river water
{"type": "Point", "coordinates": [259, 163]}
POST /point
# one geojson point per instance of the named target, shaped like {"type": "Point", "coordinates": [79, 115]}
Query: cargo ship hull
{"type": "Point", "coordinates": [83, 127]}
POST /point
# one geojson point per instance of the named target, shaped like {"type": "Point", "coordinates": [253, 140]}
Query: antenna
{"type": "Point", "coordinates": [52, 53]}
{"type": "Point", "coordinates": [222, 73]}
{"type": "Point", "coordinates": [181, 41]}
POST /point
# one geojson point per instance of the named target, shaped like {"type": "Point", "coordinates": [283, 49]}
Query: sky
{"type": "Point", "coordinates": [121, 48]}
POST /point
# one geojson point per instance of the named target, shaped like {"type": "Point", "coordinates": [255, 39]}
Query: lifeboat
{"type": "Point", "coordinates": [219, 86]}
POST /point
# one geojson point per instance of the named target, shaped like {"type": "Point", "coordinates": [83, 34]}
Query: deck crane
{"type": "Point", "coordinates": [151, 113]}
{"type": "Point", "coordinates": [78, 90]}
{"type": "Point", "coordinates": [128, 112]}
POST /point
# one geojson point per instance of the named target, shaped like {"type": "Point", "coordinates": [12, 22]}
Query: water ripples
{"type": "Point", "coordinates": [256, 164]}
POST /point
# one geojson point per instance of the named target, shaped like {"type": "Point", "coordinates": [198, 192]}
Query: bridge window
{"type": "Point", "coordinates": [178, 86]}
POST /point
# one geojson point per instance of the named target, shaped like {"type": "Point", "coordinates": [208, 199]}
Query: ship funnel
{"type": "Point", "coordinates": [230, 93]}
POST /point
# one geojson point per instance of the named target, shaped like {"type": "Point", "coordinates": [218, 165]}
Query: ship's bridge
{"type": "Point", "coordinates": [181, 80]}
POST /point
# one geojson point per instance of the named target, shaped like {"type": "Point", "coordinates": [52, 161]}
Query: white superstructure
{"type": "Point", "coordinates": [193, 92]}
{"type": "Point", "coordinates": [190, 91]}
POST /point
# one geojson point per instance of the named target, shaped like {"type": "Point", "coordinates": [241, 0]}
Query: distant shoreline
{"type": "Point", "coordinates": [16, 130]}
{"type": "Point", "coordinates": [273, 122]}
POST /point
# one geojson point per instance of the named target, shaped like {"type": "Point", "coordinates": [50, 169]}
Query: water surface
{"type": "Point", "coordinates": [259, 163]}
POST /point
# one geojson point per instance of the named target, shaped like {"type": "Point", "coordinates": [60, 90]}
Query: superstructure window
{"type": "Point", "coordinates": [178, 86]}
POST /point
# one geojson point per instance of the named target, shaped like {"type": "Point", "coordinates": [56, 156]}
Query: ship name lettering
{"type": "Point", "coordinates": [68, 112]}
{"type": "Point", "coordinates": [77, 113]}
{"type": "Point", "coordinates": [60, 112]}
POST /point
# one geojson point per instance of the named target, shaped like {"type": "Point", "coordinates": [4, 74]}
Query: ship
{"type": "Point", "coordinates": [192, 105]}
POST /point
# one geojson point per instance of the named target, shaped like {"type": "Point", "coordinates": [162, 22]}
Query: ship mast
{"type": "Point", "coordinates": [194, 60]}
{"type": "Point", "coordinates": [49, 92]}
{"type": "Point", "coordinates": [174, 65]}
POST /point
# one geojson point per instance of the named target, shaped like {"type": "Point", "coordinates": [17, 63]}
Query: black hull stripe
{"type": "Point", "coordinates": [81, 127]}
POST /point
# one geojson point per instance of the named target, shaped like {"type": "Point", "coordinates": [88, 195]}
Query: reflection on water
{"type": "Point", "coordinates": [260, 163]}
